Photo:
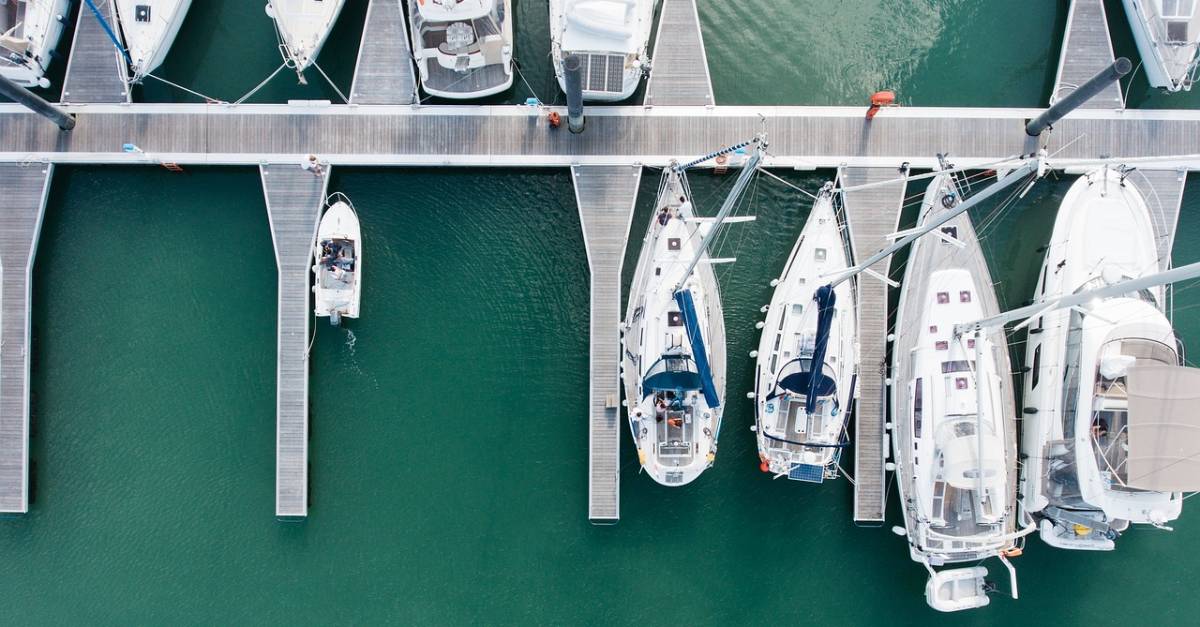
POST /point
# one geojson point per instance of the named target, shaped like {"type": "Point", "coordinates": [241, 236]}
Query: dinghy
{"type": "Point", "coordinates": [29, 32]}
{"type": "Point", "coordinates": [302, 27]}
{"type": "Point", "coordinates": [149, 28]}
{"type": "Point", "coordinates": [611, 39]}
{"type": "Point", "coordinates": [338, 269]}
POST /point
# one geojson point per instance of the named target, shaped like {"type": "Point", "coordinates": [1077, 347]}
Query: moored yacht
{"type": "Point", "coordinates": [1102, 375]}
{"type": "Point", "coordinates": [303, 26]}
{"type": "Point", "coordinates": [29, 32]}
{"type": "Point", "coordinates": [953, 428]}
{"type": "Point", "coordinates": [1167, 33]}
{"type": "Point", "coordinates": [673, 337]}
{"type": "Point", "coordinates": [609, 36]}
{"type": "Point", "coordinates": [463, 48]}
{"type": "Point", "coordinates": [808, 354]}
{"type": "Point", "coordinates": [149, 28]}
{"type": "Point", "coordinates": [337, 285]}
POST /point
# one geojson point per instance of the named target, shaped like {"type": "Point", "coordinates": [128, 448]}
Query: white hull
{"type": "Point", "coordinates": [1168, 44]}
{"type": "Point", "coordinates": [337, 287]}
{"type": "Point", "coordinates": [29, 31]}
{"type": "Point", "coordinates": [782, 425]}
{"type": "Point", "coordinates": [1103, 232]}
{"type": "Point", "coordinates": [303, 25]}
{"type": "Point", "coordinates": [149, 38]}
{"type": "Point", "coordinates": [603, 32]}
{"type": "Point", "coordinates": [481, 66]}
{"type": "Point", "coordinates": [675, 444]}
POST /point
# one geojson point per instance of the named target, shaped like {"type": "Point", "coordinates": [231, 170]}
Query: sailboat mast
{"type": "Point", "coordinates": [1182, 273]}
{"type": "Point", "coordinates": [993, 189]}
{"type": "Point", "coordinates": [730, 202]}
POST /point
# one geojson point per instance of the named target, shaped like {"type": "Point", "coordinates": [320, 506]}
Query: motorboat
{"type": "Point", "coordinates": [1167, 33]}
{"type": "Point", "coordinates": [808, 354]}
{"type": "Point", "coordinates": [29, 33]}
{"type": "Point", "coordinates": [610, 37]}
{"type": "Point", "coordinates": [463, 48]}
{"type": "Point", "coordinates": [149, 28]}
{"type": "Point", "coordinates": [337, 285]}
{"type": "Point", "coordinates": [673, 336]}
{"type": "Point", "coordinates": [953, 417]}
{"type": "Point", "coordinates": [302, 27]}
{"type": "Point", "coordinates": [1110, 418]}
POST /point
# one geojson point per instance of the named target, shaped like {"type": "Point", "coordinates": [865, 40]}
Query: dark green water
{"type": "Point", "coordinates": [449, 432]}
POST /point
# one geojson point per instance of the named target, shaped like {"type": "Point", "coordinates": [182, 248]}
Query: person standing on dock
{"type": "Point", "coordinates": [312, 165]}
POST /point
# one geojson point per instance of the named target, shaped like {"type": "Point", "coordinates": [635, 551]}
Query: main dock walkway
{"type": "Point", "coordinates": [24, 189]}
{"type": "Point", "coordinates": [96, 71]}
{"type": "Point", "coordinates": [1086, 49]}
{"type": "Point", "coordinates": [679, 66]}
{"type": "Point", "coordinates": [384, 73]}
{"type": "Point", "coordinates": [606, 196]}
{"type": "Point", "coordinates": [805, 137]}
{"type": "Point", "coordinates": [294, 199]}
{"type": "Point", "coordinates": [871, 215]}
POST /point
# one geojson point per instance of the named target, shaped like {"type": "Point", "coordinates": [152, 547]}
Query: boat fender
{"type": "Point", "coordinates": [707, 432]}
{"type": "Point", "coordinates": [765, 467]}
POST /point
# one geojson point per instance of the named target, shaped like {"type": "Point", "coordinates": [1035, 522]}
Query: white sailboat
{"type": "Point", "coordinates": [463, 48]}
{"type": "Point", "coordinates": [149, 28]}
{"type": "Point", "coordinates": [1167, 33]}
{"type": "Point", "coordinates": [29, 32]}
{"type": "Point", "coordinates": [1102, 373]}
{"type": "Point", "coordinates": [953, 428]}
{"type": "Point", "coordinates": [673, 338]}
{"type": "Point", "coordinates": [302, 27]}
{"type": "Point", "coordinates": [610, 37]}
{"type": "Point", "coordinates": [337, 285]}
{"type": "Point", "coordinates": [808, 355]}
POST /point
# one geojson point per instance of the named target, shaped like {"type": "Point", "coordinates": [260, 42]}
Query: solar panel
{"type": "Point", "coordinates": [811, 473]}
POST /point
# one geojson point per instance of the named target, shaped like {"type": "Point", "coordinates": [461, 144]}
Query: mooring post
{"type": "Point", "coordinates": [573, 77]}
{"type": "Point", "coordinates": [36, 103]}
{"type": "Point", "coordinates": [1082, 94]}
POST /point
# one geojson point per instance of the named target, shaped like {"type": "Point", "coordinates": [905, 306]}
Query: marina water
{"type": "Point", "coordinates": [449, 434]}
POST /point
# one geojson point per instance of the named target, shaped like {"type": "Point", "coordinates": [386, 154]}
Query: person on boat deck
{"type": "Point", "coordinates": [664, 216]}
{"type": "Point", "coordinates": [338, 273]}
{"type": "Point", "coordinates": [1100, 428]}
{"type": "Point", "coordinates": [660, 410]}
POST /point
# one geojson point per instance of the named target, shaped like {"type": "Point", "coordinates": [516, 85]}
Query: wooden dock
{"type": "Point", "coordinates": [1086, 49]}
{"type": "Point", "coordinates": [294, 199]}
{"type": "Point", "coordinates": [871, 215]}
{"type": "Point", "coordinates": [679, 67]}
{"type": "Point", "coordinates": [606, 196]}
{"type": "Point", "coordinates": [1163, 191]}
{"type": "Point", "coordinates": [24, 188]}
{"type": "Point", "coordinates": [803, 137]}
{"type": "Point", "coordinates": [384, 73]}
{"type": "Point", "coordinates": [96, 71]}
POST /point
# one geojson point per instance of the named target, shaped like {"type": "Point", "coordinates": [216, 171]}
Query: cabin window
{"type": "Point", "coordinates": [673, 243]}
{"type": "Point", "coordinates": [1037, 367]}
{"type": "Point", "coordinates": [964, 296]}
{"type": "Point", "coordinates": [960, 383]}
{"type": "Point", "coordinates": [1177, 8]}
{"type": "Point", "coordinates": [970, 343]}
{"type": "Point", "coordinates": [1177, 31]}
{"type": "Point", "coordinates": [943, 298]}
{"type": "Point", "coordinates": [933, 328]}
{"type": "Point", "coordinates": [941, 345]}
{"type": "Point", "coordinates": [956, 365]}
{"type": "Point", "coordinates": [917, 409]}
{"type": "Point", "coordinates": [141, 13]}
{"type": "Point", "coordinates": [819, 254]}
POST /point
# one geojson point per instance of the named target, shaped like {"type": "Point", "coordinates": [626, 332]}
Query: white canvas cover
{"type": "Point", "coordinates": [1164, 428]}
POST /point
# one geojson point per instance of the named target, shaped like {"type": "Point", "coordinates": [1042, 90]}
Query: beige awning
{"type": "Point", "coordinates": [1164, 428]}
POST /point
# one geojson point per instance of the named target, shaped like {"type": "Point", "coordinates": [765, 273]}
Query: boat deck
{"type": "Point", "coordinates": [606, 196]}
{"type": "Point", "coordinates": [479, 79]}
{"type": "Point", "coordinates": [294, 197]}
{"type": "Point", "coordinates": [871, 215]}
{"type": "Point", "coordinates": [384, 73]}
{"type": "Point", "coordinates": [96, 71]}
{"type": "Point", "coordinates": [679, 66]}
{"type": "Point", "coordinates": [1087, 49]}
{"type": "Point", "coordinates": [24, 189]}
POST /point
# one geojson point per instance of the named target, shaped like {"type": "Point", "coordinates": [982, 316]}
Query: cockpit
{"type": "Point", "coordinates": [337, 264]}
{"type": "Point", "coordinates": [674, 383]}
{"type": "Point", "coordinates": [786, 413]}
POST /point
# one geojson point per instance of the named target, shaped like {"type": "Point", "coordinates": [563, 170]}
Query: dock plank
{"type": "Point", "coordinates": [24, 188]}
{"type": "Point", "coordinates": [294, 197]}
{"type": "Point", "coordinates": [871, 215]}
{"type": "Point", "coordinates": [384, 73]}
{"type": "Point", "coordinates": [679, 67]}
{"type": "Point", "coordinates": [96, 71]}
{"type": "Point", "coordinates": [605, 196]}
{"type": "Point", "coordinates": [1086, 49]}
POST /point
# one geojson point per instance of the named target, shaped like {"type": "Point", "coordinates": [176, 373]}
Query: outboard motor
{"type": "Point", "coordinates": [335, 317]}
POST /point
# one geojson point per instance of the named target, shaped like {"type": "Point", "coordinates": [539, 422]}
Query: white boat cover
{"type": "Point", "coordinates": [1164, 428]}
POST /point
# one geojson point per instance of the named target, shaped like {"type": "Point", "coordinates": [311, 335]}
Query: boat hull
{"type": "Point", "coordinates": [149, 43]}
{"type": "Point", "coordinates": [337, 293]}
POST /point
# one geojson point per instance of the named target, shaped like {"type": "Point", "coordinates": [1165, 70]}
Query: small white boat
{"type": "Point", "coordinates": [673, 338]}
{"type": "Point", "coordinates": [808, 355]}
{"type": "Point", "coordinates": [303, 26]}
{"type": "Point", "coordinates": [1167, 33]}
{"type": "Point", "coordinates": [463, 48]}
{"type": "Point", "coordinates": [149, 28]}
{"type": "Point", "coordinates": [338, 269]}
{"type": "Point", "coordinates": [1107, 399]}
{"type": "Point", "coordinates": [611, 39]}
{"type": "Point", "coordinates": [29, 32]}
{"type": "Point", "coordinates": [953, 428]}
